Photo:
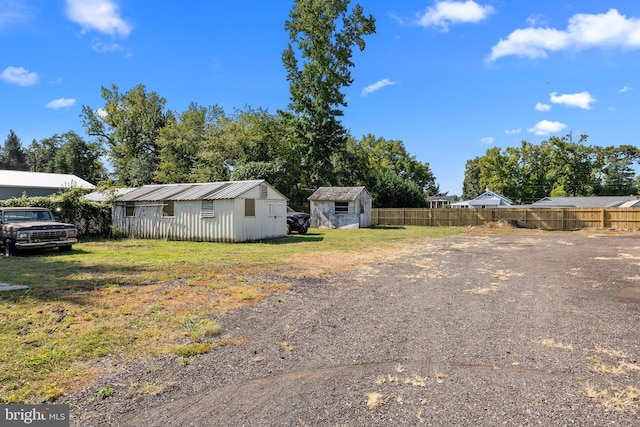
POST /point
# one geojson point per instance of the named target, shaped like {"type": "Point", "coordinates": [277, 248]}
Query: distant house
{"type": "Point", "coordinates": [340, 207]}
{"type": "Point", "coordinates": [17, 183]}
{"type": "Point", "coordinates": [230, 211]}
{"type": "Point", "coordinates": [488, 199]}
{"type": "Point", "coordinates": [436, 202]}
{"type": "Point", "coordinates": [587, 202]}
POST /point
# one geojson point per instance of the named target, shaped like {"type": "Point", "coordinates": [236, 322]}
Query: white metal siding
{"type": "Point", "coordinates": [227, 225]}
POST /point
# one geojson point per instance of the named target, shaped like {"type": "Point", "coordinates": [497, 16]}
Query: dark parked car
{"type": "Point", "coordinates": [297, 221]}
{"type": "Point", "coordinates": [34, 228]}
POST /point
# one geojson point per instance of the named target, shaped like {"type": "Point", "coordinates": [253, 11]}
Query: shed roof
{"type": "Point", "coordinates": [17, 179]}
{"type": "Point", "coordinates": [584, 202]}
{"type": "Point", "coordinates": [337, 193]}
{"type": "Point", "coordinates": [186, 192]}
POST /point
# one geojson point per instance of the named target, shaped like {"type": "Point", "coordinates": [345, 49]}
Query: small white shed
{"type": "Point", "coordinates": [340, 207]}
{"type": "Point", "coordinates": [230, 211]}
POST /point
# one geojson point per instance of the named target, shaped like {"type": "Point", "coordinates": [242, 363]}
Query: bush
{"type": "Point", "coordinates": [91, 218]}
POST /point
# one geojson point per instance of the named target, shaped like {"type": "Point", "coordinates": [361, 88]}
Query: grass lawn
{"type": "Point", "coordinates": [131, 299]}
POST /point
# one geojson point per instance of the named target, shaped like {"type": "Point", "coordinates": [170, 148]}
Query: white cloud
{"type": "Point", "coordinates": [99, 15]}
{"type": "Point", "coordinates": [487, 140]}
{"type": "Point", "coordinates": [546, 127]}
{"type": "Point", "coordinates": [584, 31]}
{"type": "Point", "coordinates": [14, 12]}
{"type": "Point", "coordinates": [101, 112]}
{"type": "Point", "coordinates": [376, 86]}
{"type": "Point", "coordinates": [101, 47]}
{"type": "Point", "coordinates": [448, 12]}
{"type": "Point", "coordinates": [542, 107]}
{"type": "Point", "coordinates": [513, 131]}
{"type": "Point", "coordinates": [625, 89]}
{"type": "Point", "coordinates": [536, 20]}
{"type": "Point", "coordinates": [19, 76]}
{"type": "Point", "coordinates": [581, 100]}
{"type": "Point", "coordinates": [61, 103]}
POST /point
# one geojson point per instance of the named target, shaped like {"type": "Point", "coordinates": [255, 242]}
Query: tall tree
{"type": "Point", "coordinates": [41, 155]}
{"type": "Point", "coordinates": [129, 125]}
{"type": "Point", "coordinates": [182, 142]}
{"type": "Point", "coordinates": [12, 155]}
{"type": "Point", "coordinates": [80, 158]}
{"type": "Point", "coordinates": [318, 61]}
{"type": "Point", "coordinates": [618, 177]}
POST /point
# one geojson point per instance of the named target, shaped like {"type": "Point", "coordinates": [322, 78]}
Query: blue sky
{"type": "Point", "coordinates": [448, 78]}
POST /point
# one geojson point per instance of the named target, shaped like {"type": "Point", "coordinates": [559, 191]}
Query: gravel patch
{"type": "Point", "coordinates": [479, 329]}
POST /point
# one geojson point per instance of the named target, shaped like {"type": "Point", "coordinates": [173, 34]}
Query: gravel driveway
{"type": "Point", "coordinates": [489, 329]}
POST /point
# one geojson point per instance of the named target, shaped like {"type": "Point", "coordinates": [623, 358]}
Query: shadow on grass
{"type": "Point", "coordinates": [387, 227]}
{"type": "Point", "coordinates": [292, 238]}
{"type": "Point", "coordinates": [50, 274]}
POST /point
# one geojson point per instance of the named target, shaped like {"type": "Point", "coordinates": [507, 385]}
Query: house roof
{"type": "Point", "coordinates": [18, 179]}
{"type": "Point", "coordinates": [186, 192]}
{"type": "Point", "coordinates": [487, 198]}
{"type": "Point", "coordinates": [337, 193]}
{"type": "Point", "coordinates": [584, 202]}
{"type": "Point", "coordinates": [449, 199]}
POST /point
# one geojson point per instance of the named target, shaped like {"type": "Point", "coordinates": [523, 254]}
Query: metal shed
{"type": "Point", "coordinates": [341, 207]}
{"type": "Point", "coordinates": [230, 211]}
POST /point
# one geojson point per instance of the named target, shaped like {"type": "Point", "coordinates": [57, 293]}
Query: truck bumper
{"type": "Point", "coordinates": [46, 245]}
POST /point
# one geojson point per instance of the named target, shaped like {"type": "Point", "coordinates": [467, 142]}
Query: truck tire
{"type": "Point", "coordinates": [9, 247]}
{"type": "Point", "coordinates": [65, 248]}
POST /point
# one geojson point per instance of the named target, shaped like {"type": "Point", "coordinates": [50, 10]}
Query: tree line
{"type": "Point", "coordinates": [557, 167]}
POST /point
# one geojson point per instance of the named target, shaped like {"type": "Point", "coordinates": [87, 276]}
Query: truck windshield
{"type": "Point", "coordinates": [26, 216]}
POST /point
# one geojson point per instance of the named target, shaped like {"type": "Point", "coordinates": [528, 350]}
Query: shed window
{"type": "Point", "coordinates": [207, 209]}
{"type": "Point", "coordinates": [167, 208]}
{"type": "Point", "coordinates": [249, 207]}
{"type": "Point", "coordinates": [341, 208]}
{"type": "Point", "coordinates": [130, 210]}
{"type": "Point", "coordinates": [264, 191]}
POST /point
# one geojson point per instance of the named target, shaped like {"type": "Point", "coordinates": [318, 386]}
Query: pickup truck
{"type": "Point", "coordinates": [34, 228]}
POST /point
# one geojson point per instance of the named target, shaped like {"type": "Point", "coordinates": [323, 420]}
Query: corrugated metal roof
{"type": "Point", "coordinates": [337, 193]}
{"type": "Point", "coordinates": [9, 178]}
{"type": "Point", "coordinates": [184, 192]}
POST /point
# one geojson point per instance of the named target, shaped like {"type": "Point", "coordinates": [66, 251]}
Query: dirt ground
{"type": "Point", "coordinates": [517, 328]}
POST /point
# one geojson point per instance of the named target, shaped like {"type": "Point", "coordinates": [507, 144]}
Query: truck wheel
{"type": "Point", "coordinates": [9, 247]}
{"type": "Point", "coordinates": [65, 248]}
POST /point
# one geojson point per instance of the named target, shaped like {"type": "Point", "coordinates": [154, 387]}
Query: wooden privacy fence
{"type": "Point", "coordinates": [541, 218]}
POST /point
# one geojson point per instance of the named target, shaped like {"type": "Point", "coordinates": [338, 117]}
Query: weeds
{"type": "Point", "coordinates": [104, 392]}
{"type": "Point", "coordinates": [136, 298]}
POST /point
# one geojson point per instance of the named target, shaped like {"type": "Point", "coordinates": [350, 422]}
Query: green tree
{"type": "Point", "coordinates": [575, 166]}
{"type": "Point", "coordinates": [129, 125]}
{"type": "Point", "coordinates": [318, 61]}
{"type": "Point", "coordinates": [391, 155]}
{"type": "Point", "coordinates": [78, 157]}
{"type": "Point", "coordinates": [618, 174]}
{"type": "Point", "coordinates": [471, 186]}
{"type": "Point", "coordinates": [41, 155]}
{"type": "Point", "coordinates": [182, 141]}
{"type": "Point", "coordinates": [12, 156]}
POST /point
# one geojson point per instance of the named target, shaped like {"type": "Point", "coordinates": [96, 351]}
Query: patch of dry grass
{"type": "Point", "coordinates": [550, 342]}
{"type": "Point", "coordinates": [132, 299]}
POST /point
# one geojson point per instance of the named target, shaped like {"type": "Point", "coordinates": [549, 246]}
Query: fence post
{"type": "Point", "coordinates": [602, 218]}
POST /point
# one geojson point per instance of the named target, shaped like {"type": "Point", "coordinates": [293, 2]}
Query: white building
{"type": "Point", "coordinates": [488, 199]}
{"type": "Point", "coordinates": [231, 211]}
{"type": "Point", "coordinates": [33, 184]}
